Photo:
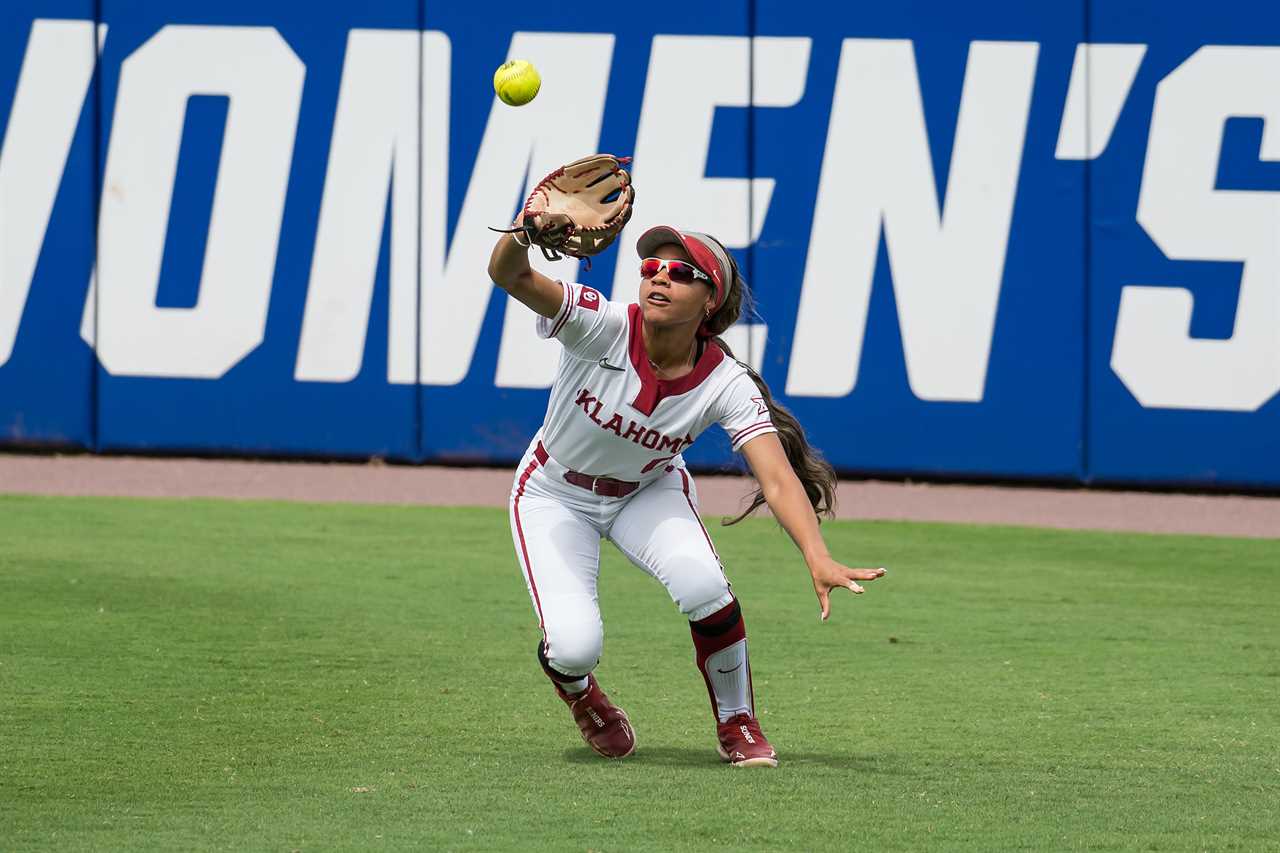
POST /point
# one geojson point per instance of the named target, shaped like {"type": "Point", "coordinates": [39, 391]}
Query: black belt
{"type": "Point", "coordinates": [606, 487]}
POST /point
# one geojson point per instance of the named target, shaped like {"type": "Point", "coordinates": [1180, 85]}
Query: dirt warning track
{"type": "Point", "coordinates": [1225, 515]}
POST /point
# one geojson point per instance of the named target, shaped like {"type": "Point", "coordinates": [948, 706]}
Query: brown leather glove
{"type": "Point", "coordinates": [579, 209]}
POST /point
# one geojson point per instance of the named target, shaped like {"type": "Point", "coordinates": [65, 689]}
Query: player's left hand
{"type": "Point", "coordinates": [829, 574]}
{"type": "Point", "coordinates": [579, 209]}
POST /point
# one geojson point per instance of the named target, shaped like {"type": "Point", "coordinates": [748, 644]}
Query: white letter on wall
{"type": "Point", "coordinates": [671, 166]}
{"type": "Point", "coordinates": [1154, 353]}
{"type": "Point", "coordinates": [376, 142]}
{"type": "Point", "coordinates": [946, 269]}
{"type": "Point", "coordinates": [46, 108]}
{"type": "Point", "coordinates": [262, 78]}
{"type": "Point", "coordinates": [536, 138]}
{"type": "Point", "coordinates": [1101, 77]}
{"type": "Point", "coordinates": [374, 147]}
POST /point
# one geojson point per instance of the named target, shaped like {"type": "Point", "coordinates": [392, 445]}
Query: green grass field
{"type": "Point", "coordinates": [261, 676]}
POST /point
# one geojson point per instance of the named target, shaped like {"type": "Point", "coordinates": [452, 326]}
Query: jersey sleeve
{"type": "Point", "coordinates": [586, 324]}
{"type": "Point", "coordinates": [743, 413]}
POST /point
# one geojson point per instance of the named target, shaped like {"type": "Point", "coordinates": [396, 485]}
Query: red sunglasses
{"type": "Point", "coordinates": [678, 271]}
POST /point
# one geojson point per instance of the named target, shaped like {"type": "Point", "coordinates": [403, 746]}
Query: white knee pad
{"type": "Point", "coordinates": [696, 583]}
{"type": "Point", "coordinates": [701, 611]}
{"type": "Point", "coordinates": [574, 649]}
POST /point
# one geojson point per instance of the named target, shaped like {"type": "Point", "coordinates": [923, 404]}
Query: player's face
{"type": "Point", "coordinates": [665, 301]}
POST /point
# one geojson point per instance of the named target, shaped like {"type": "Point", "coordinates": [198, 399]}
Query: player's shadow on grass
{"type": "Point", "coordinates": [706, 759]}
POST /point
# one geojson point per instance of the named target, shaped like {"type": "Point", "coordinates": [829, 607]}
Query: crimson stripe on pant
{"type": "Point", "coordinates": [722, 628]}
{"type": "Point", "coordinates": [689, 499]}
{"type": "Point", "coordinates": [528, 567]}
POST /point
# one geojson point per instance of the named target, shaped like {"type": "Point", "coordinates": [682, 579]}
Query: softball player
{"type": "Point", "coordinates": [636, 384]}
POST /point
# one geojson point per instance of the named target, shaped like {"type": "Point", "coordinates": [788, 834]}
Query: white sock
{"type": "Point", "coordinates": [572, 687]}
{"type": "Point", "coordinates": [730, 677]}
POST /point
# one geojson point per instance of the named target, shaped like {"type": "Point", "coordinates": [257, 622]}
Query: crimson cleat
{"type": "Point", "coordinates": [742, 744]}
{"type": "Point", "coordinates": [605, 727]}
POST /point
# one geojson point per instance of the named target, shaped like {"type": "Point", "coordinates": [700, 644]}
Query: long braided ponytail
{"type": "Point", "coordinates": [814, 472]}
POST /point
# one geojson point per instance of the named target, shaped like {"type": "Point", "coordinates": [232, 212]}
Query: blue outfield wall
{"type": "Point", "coordinates": [47, 112]}
{"type": "Point", "coordinates": [1008, 240]}
{"type": "Point", "coordinates": [1184, 204]}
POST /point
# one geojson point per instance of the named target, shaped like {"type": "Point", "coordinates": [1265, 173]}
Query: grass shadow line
{"type": "Point", "coordinates": [707, 759]}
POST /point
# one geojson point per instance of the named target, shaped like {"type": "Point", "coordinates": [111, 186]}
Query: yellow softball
{"type": "Point", "coordinates": [516, 82]}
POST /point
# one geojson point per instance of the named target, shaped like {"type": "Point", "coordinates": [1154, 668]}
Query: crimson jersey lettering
{"type": "Point", "coordinates": [636, 433]}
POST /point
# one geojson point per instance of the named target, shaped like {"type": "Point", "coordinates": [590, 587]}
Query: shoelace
{"type": "Point", "coordinates": [752, 724]}
{"type": "Point", "coordinates": [602, 710]}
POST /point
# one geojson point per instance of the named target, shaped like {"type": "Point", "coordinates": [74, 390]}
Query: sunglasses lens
{"type": "Point", "coordinates": [679, 272]}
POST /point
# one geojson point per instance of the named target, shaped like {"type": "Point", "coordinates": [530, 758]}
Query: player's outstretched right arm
{"type": "Point", "coordinates": [509, 268]}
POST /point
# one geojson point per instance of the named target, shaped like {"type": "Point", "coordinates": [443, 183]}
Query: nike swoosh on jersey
{"type": "Point", "coordinates": [604, 362]}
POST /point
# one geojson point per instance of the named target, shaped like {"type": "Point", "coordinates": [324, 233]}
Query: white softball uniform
{"type": "Point", "coordinates": [606, 464]}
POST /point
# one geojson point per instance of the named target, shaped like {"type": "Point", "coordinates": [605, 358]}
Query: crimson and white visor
{"type": "Point", "coordinates": [705, 253]}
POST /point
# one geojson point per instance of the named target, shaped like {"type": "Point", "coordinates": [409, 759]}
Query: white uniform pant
{"type": "Point", "coordinates": [557, 528]}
